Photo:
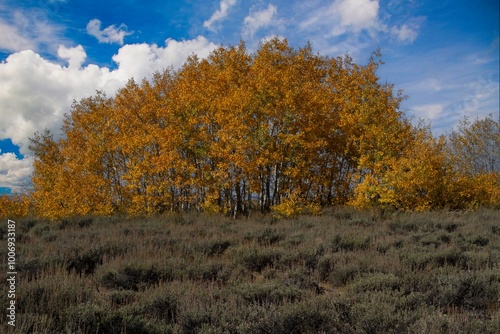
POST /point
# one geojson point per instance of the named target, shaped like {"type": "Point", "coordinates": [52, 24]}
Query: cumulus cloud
{"type": "Point", "coordinates": [141, 60]}
{"type": "Point", "coordinates": [357, 14]}
{"type": "Point", "coordinates": [219, 15]}
{"type": "Point", "coordinates": [15, 173]}
{"type": "Point", "coordinates": [74, 56]}
{"type": "Point", "coordinates": [108, 35]}
{"type": "Point", "coordinates": [260, 19]}
{"type": "Point", "coordinates": [36, 92]}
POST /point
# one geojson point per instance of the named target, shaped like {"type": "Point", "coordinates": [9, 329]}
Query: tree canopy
{"type": "Point", "coordinates": [280, 129]}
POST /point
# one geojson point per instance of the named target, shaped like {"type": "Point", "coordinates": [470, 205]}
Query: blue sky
{"type": "Point", "coordinates": [443, 54]}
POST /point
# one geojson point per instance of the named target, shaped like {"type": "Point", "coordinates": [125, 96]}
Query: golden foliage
{"type": "Point", "coordinates": [428, 175]}
{"type": "Point", "coordinates": [275, 131]}
{"type": "Point", "coordinates": [15, 205]}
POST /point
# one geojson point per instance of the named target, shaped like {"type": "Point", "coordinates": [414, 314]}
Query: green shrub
{"type": "Point", "coordinates": [349, 243]}
{"type": "Point", "coordinates": [255, 259]}
{"type": "Point", "coordinates": [163, 307]}
{"type": "Point", "coordinates": [375, 282]}
{"type": "Point", "coordinates": [85, 262]}
{"type": "Point", "coordinates": [326, 265]}
{"type": "Point", "coordinates": [266, 237]}
{"type": "Point", "coordinates": [267, 293]}
{"type": "Point", "coordinates": [214, 247]}
{"type": "Point", "coordinates": [480, 241]}
{"type": "Point", "coordinates": [295, 318]}
{"type": "Point", "coordinates": [91, 318]}
{"type": "Point", "coordinates": [209, 272]}
{"type": "Point", "coordinates": [123, 297]}
{"type": "Point", "coordinates": [310, 256]}
{"type": "Point", "coordinates": [343, 275]}
{"type": "Point", "coordinates": [467, 291]}
{"type": "Point", "coordinates": [132, 277]}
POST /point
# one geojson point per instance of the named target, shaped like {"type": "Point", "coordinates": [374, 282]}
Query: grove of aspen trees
{"type": "Point", "coordinates": [280, 130]}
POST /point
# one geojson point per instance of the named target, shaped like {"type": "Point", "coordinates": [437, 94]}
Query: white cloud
{"type": "Point", "coordinates": [357, 14]}
{"type": "Point", "coordinates": [74, 56]}
{"type": "Point", "coordinates": [141, 60]}
{"type": "Point", "coordinates": [11, 39]}
{"type": "Point", "coordinates": [404, 33]}
{"type": "Point", "coordinates": [220, 14]}
{"type": "Point", "coordinates": [15, 173]}
{"type": "Point", "coordinates": [353, 26]}
{"type": "Point", "coordinates": [408, 32]}
{"type": "Point", "coordinates": [343, 15]}
{"type": "Point", "coordinates": [110, 34]}
{"type": "Point", "coordinates": [428, 111]}
{"type": "Point", "coordinates": [35, 92]}
{"type": "Point", "coordinates": [260, 19]}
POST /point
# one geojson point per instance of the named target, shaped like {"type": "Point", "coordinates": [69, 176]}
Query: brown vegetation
{"type": "Point", "coordinates": [345, 271]}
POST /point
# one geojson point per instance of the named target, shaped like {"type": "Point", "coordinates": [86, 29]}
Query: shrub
{"type": "Point", "coordinates": [266, 237]}
{"type": "Point", "coordinates": [209, 272]}
{"type": "Point", "coordinates": [326, 265]}
{"type": "Point", "coordinates": [480, 241]}
{"type": "Point", "coordinates": [349, 243]}
{"type": "Point", "coordinates": [121, 298]}
{"type": "Point", "coordinates": [267, 293]}
{"type": "Point", "coordinates": [89, 318]}
{"type": "Point", "coordinates": [310, 256]}
{"type": "Point", "coordinates": [467, 291]}
{"type": "Point", "coordinates": [215, 247]}
{"type": "Point", "coordinates": [376, 282]}
{"type": "Point", "coordinates": [132, 277]}
{"type": "Point", "coordinates": [164, 307]}
{"type": "Point", "coordinates": [255, 259]}
{"type": "Point", "coordinates": [85, 263]}
{"type": "Point", "coordinates": [307, 319]}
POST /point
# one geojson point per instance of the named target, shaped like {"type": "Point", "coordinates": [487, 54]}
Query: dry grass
{"type": "Point", "coordinates": [343, 272]}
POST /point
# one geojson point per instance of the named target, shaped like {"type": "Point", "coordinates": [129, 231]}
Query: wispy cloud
{"type": "Point", "coordinates": [258, 19]}
{"type": "Point", "coordinates": [342, 16]}
{"type": "Point", "coordinates": [111, 34]}
{"type": "Point", "coordinates": [353, 26]}
{"type": "Point", "coordinates": [12, 39]}
{"type": "Point", "coordinates": [404, 33]}
{"type": "Point", "coordinates": [219, 15]}
{"type": "Point", "coordinates": [429, 84]}
{"type": "Point", "coordinates": [28, 29]}
{"type": "Point", "coordinates": [428, 111]}
{"type": "Point", "coordinates": [442, 89]}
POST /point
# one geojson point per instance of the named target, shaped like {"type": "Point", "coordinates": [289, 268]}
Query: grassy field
{"type": "Point", "coordinates": [343, 272]}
